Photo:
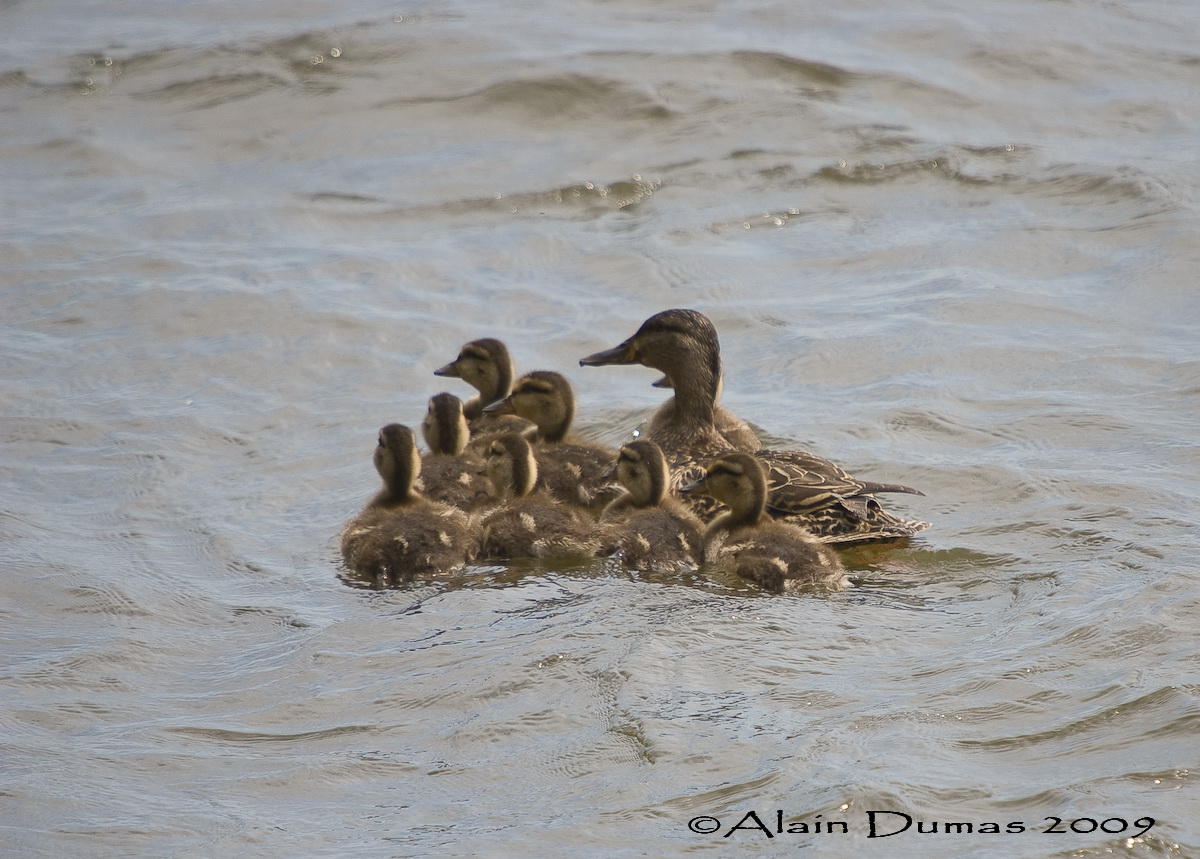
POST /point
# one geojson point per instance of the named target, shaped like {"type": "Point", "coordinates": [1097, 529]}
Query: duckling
{"type": "Point", "coordinates": [486, 366]}
{"type": "Point", "coordinates": [805, 489]}
{"type": "Point", "coordinates": [650, 529]}
{"type": "Point", "coordinates": [400, 534]}
{"type": "Point", "coordinates": [449, 473]}
{"type": "Point", "coordinates": [527, 523]}
{"type": "Point", "coordinates": [778, 556]}
{"type": "Point", "coordinates": [572, 471]}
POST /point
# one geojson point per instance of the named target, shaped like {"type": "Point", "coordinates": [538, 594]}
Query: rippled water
{"type": "Point", "coordinates": [952, 246]}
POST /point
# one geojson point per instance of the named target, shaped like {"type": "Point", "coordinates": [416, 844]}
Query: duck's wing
{"type": "Point", "coordinates": [806, 474]}
{"type": "Point", "coordinates": [828, 501]}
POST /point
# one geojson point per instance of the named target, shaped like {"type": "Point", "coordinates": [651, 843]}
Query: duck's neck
{"type": "Point", "coordinates": [399, 475]}
{"type": "Point", "coordinates": [652, 492]}
{"type": "Point", "coordinates": [515, 476]}
{"type": "Point", "coordinates": [555, 430]}
{"type": "Point", "coordinates": [748, 512]}
{"type": "Point", "coordinates": [498, 385]}
{"type": "Point", "coordinates": [696, 378]}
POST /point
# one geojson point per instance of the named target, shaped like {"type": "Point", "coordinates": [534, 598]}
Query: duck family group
{"type": "Point", "coordinates": [503, 478]}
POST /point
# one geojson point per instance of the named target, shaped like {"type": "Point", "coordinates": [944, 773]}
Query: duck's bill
{"type": "Point", "coordinates": [623, 354]}
{"type": "Point", "coordinates": [693, 486]}
{"type": "Point", "coordinates": [664, 382]}
{"type": "Point", "coordinates": [449, 370]}
{"type": "Point", "coordinates": [499, 407]}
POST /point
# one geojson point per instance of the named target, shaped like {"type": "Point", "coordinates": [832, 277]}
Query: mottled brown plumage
{"type": "Point", "coordinates": [450, 473]}
{"type": "Point", "coordinates": [573, 471]}
{"type": "Point", "coordinates": [646, 527]}
{"type": "Point", "coordinates": [740, 435]}
{"type": "Point", "coordinates": [527, 522]}
{"type": "Point", "coordinates": [805, 489]}
{"type": "Point", "coordinates": [400, 534]}
{"type": "Point", "coordinates": [778, 556]}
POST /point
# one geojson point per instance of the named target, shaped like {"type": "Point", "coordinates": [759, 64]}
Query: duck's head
{"type": "Point", "coordinates": [397, 459]}
{"type": "Point", "coordinates": [485, 365]}
{"type": "Point", "coordinates": [738, 480]}
{"type": "Point", "coordinates": [511, 466]}
{"type": "Point", "coordinates": [445, 426]}
{"type": "Point", "coordinates": [681, 343]}
{"type": "Point", "coordinates": [642, 469]}
{"type": "Point", "coordinates": [543, 397]}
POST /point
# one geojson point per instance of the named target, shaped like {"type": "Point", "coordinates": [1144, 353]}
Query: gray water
{"type": "Point", "coordinates": [951, 245]}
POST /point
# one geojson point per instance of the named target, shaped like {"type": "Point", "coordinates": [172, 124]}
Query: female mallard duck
{"type": "Point", "coordinates": [649, 528]}
{"type": "Point", "coordinates": [400, 534]}
{"type": "Point", "coordinates": [572, 471]}
{"type": "Point", "coordinates": [527, 523]}
{"type": "Point", "coordinates": [449, 473]}
{"type": "Point", "coordinates": [486, 366]}
{"type": "Point", "coordinates": [778, 556]}
{"type": "Point", "coordinates": [804, 488]}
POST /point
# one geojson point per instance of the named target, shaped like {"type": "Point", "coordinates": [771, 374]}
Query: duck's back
{"type": "Point", "coordinates": [576, 474]}
{"type": "Point", "coordinates": [456, 481]}
{"type": "Point", "coordinates": [535, 527]}
{"type": "Point", "coordinates": [781, 557]}
{"type": "Point", "coordinates": [664, 537]}
{"type": "Point", "coordinates": [392, 545]}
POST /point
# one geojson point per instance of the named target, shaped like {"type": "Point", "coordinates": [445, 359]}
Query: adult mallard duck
{"type": "Point", "coordinates": [449, 472]}
{"type": "Point", "coordinates": [778, 556]}
{"type": "Point", "coordinates": [648, 528]}
{"type": "Point", "coordinates": [400, 534]}
{"type": "Point", "coordinates": [572, 470]}
{"type": "Point", "coordinates": [526, 522]}
{"type": "Point", "coordinates": [804, 488]}
{"type": "Point", "coordinates": [486, 366]}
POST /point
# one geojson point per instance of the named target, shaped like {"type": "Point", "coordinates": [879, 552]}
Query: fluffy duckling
{"type": "Point", "coordinates": [528, 523]}
{"type": "Point", "coordinates": [572, 471]}
{"type": "Point", "coordinates": [400, 534]}
{"type": "Point", "coordinates": [805, 489]}
{"type": "Point", "coordinates": [649, 528]}
{"type": "Point", "coordinates": [449, 473]}
{"type": "Point", "coordinates": [486, 366]}
{"type": "Point", "coordinates": [778, 556]}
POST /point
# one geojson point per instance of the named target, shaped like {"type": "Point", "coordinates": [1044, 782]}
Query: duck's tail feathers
{"type": "Point", "coordinates": [873, 488]}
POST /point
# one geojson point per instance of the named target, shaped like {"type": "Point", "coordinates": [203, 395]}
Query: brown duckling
{"type": "Point", "coordinates": [449, 472]}
{"type": "Point", "coordinates": [400, 534]}
{"type": "Point", "coordinates": [486, 366]}
{"type": "Point", "coordinates": [649, 528]}
{"type": "Point", "coordinates": [572, 471]}
{"type": "Point", "coordinates": [805, 489]}
{"type": "Point", "coordinates": [778, 556]}
{"type": "Point", "coordinates": [529, 523]}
